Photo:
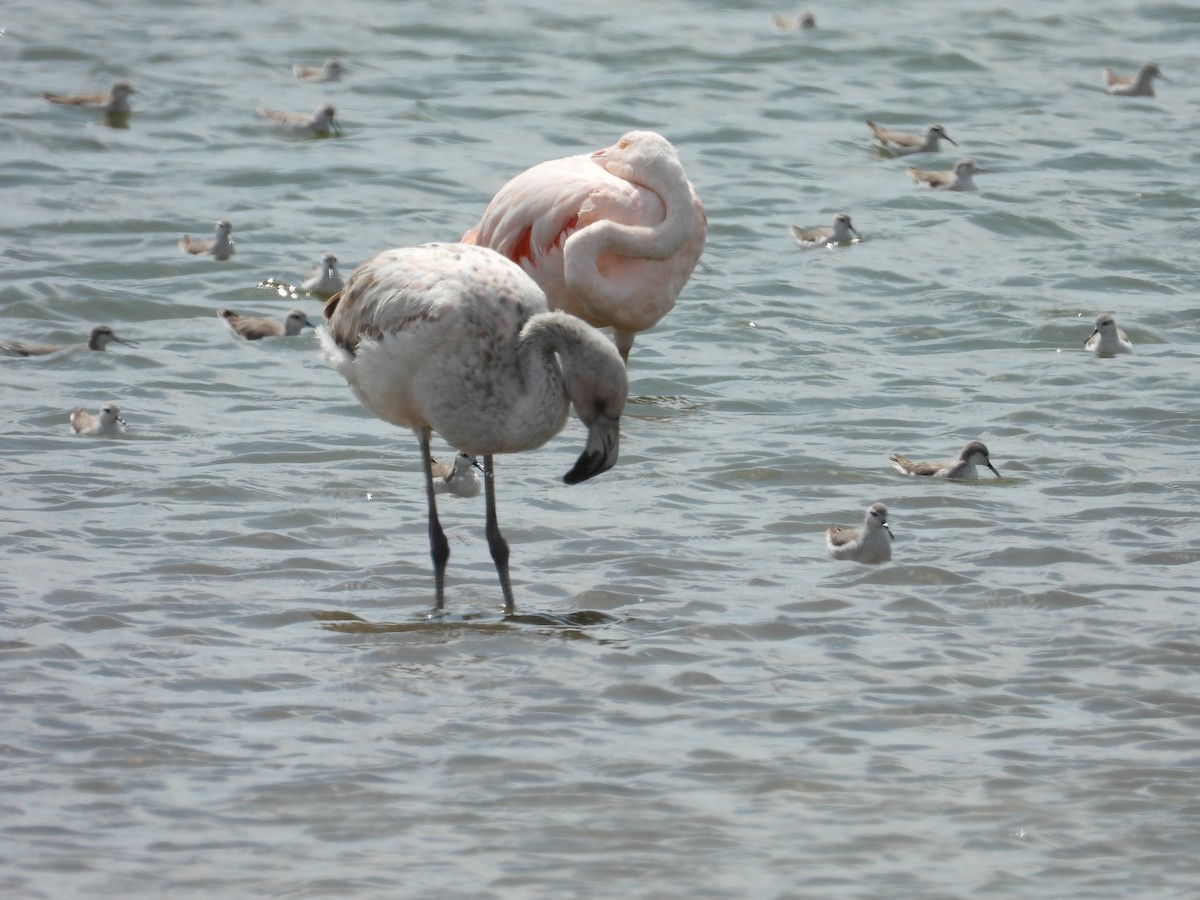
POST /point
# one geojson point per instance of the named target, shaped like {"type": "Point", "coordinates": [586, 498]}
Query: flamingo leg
{"type": "Point", "coordinates": [439, 547]}
{"type": "Point", "coordinates": [624, 344]}
{"type": "Point", "coordinates": [496, 542]}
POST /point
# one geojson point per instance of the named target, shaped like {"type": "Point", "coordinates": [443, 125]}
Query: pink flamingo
{"type": "Point", "coordinates": [610, 237]}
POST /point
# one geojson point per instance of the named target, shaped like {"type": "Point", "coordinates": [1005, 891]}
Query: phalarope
{"type": "Point", "coordinates": [1107, 339]}
{"type": "Point", "coordinates": [957, 179]}
{"type": "Point", "coordinates": [99, 339]}
{"type": "Point", "coordinates": [902, 143]}
{"type": "Point", "coordinates": [796, 22]}
{"type": "Point", "coordinates": [842, 232]}
{"type": "Point", "coordinates": [114, 102]}
{"type": "Point", "coordinates": [320, 123]}
{"type": "Point", "coordinates": [253, 329]}
{"type": "Point", "coordinates": [220, 246]}
{"type": "Point", "coordinates": [325, 280]}
{"type": "Point", "coordinates": [963, 467]}
{"type": "Point", "coordinates": [870, 544]}
{"type": "Point", "coordinates": [109, 421]}
{"type": "Point", "coordinates": [1140, 85]}
{"type": "Point", "coordinates": [330, 70]}
{"type": "Point", "coordinates": [459, 477]}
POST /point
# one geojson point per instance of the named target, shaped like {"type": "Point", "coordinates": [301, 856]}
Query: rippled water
{"type": "Point", "coordinates": [219, 675]}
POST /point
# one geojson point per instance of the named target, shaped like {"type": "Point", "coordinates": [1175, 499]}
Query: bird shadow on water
{"type": "Point", "coordinates": [572, 625]}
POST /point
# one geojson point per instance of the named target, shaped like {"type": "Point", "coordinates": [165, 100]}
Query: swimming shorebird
{"type": "Point", "coordinates": [320, 123]}
{"type": "Point", "coordinates": [99, 339]}
{"type": "Point", "coordinates": [220, 246]}
{"type": "Point", "coordinates": [109, 421]}
{"type": "Point", "coordinates": [796, 22]}
{"type": "Point", "coordinates": [1140, 85]}
{"type": "Point", "coordinates": [458, 478]}
{"type": "Point", "coordinates": [114, 102]}
{"type": "Point", "coordinates": [325, 280]}
{"type": "Point", "coordinates": [1107, 339]}
{"type": "Point", "coordinates": [870, 544]}
{"type": "Point", "coordinates": [842, 232]}
{"type": "Point", "coordinates": [902, 143]}
{"type": "Point", "coordinates": [330, 70]}
{"type": "Point", "coordinates": [963, 467]}
{"type": "Point", "coordinates": [253, 329]}
{"type": "Point", "coordinates": [956, 179]}
{"type": "Point", "coordinates": [456, 339]}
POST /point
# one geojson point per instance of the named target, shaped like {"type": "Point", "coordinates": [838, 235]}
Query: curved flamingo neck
{"type": "Point", "coordinates": [582, 251]}
{"type": "Point", "coordinates": [666, 179]}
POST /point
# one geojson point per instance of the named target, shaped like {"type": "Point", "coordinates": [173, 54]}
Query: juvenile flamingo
{"type": "Point", "coordinates": [611, 236]}
{"type": "Point", "coordinates": [456, 339]}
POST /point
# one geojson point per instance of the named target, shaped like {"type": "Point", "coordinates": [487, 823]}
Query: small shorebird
{"type": "Point", "coordinates": [870, 544]}
{"type": "Point", "coordinates": [318, 124]}
{"type": "Point", "coordinates": [220, 246]}
{"type": "Point", "coordinates": [956, 179]}
{"type": "Point", "coordinates": [330, 70]}
{"type": "Point", "coordinates": [109, 421]}
{"type": "Point", "coordinates": [1140, 85]}
{"type": "Point", "coordinates": [458, 477]}
{"type": "Point", "coordinates": [797, 22]}
{"type": "Point", "coordinates": [253, 329]}
{"type": "Point", "coordinates": [114, 102]}
{"type": "Point", "coordinates": [842, 232]}
{"type": "Point", "coordinates": [325, 280]}
{"type": "Point", "coordinates": [456, 339]}
{"type": "Point", "coordinates": [100, 338]}
{"type": "Point", "coordinates": [972, 454]}
{"type": "Point", "coordinates": [1107, 339]}
{"type": "Point", "coordinates": [902, 143]}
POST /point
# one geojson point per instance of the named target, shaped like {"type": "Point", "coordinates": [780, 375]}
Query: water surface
{"type": "Point", "coordinates": [220, 676]}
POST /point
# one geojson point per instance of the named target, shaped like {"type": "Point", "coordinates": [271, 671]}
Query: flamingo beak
{"type": "Point", "coordinates": [600, 454]}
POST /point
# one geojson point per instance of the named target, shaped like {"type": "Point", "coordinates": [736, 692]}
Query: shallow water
{"type": "Point", "coordinates": [220, 677]}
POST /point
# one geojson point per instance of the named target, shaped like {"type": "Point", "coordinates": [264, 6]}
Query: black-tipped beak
{"type": "Point", "coordinates": [993, 468]}
{"type": "Point", "coordinates": [600, 454]}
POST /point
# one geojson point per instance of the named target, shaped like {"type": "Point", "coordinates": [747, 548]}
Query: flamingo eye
{"type": "Point", "coordinates": [622, 144]}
